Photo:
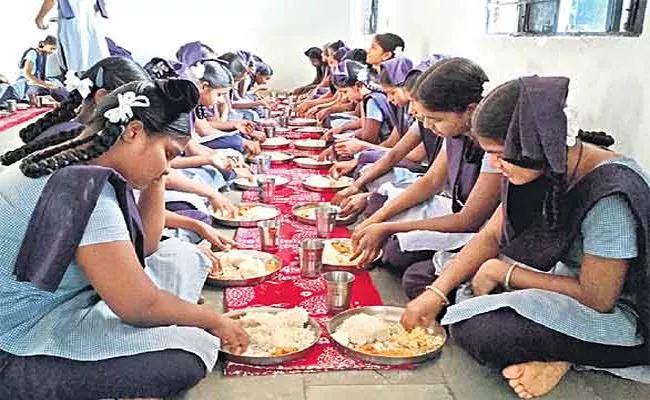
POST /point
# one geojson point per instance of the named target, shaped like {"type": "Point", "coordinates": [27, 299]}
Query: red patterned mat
{"type": "Point", "coordinates": [20, 116]}
{"type": "Point", "coordinates": [288, 290]}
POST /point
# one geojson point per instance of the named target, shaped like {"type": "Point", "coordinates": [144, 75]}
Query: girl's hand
{"type": "Point", "coordinates": [253, 148]}
{"type": "Point", "coordinates": [348, 147]}
{"type": "Point", "coordinates": [233, 336]}
{"type": "Point", "coordinates": [40, 24]}
{"type": "Point", "coordinates": [327, 154]}
{"type": "Point", "coordinates": [220, 203]}
{"type": "Point", "coordinates": [245, 127]}
{"type": "Point", "coordinates": [259, 136]}
{"type": "Point", "coordinates": [216, 239]}
{"type": "Point", "coordinates": [491, 274]}
{"type": "Point", "coordinates": [343, 167]}
{"type": "Point", "coordinates": [422, 310]}
{"type": "Point", "coordinates": [369, 243]}
{"type": "Point", "coordinates": [219, 162]}
{"type": "Point", "coordinates": [342, 197]}
{"type": "Point", "coordinates": [322, 115]}
{"type": "Point", "coordinates": [354, 204]}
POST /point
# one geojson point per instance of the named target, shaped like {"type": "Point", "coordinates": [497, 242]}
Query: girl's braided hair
{"type": "Point", "coordinates": [109, 74]}
{"type": "Point", "coordinates": [171, 103]}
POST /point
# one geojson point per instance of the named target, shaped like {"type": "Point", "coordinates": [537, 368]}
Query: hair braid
{"type": "Point", "coordinates": [66, 111]}
{"type": "Point", "coordinates": [553, 209]}
{"type": "Point", "coordinates": [47, 162]}
{"type": "Point", "coordinates": [13, 156]}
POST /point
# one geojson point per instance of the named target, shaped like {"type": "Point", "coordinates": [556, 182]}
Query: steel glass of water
{"type": "Point", "coordinates": [284, 121]}
{"type": "Point", "coordinates": [270, 235]}
{"type": "Point", "coordinates": [311, 258]}
{"type": "Point", "coordinates": [266, 185]}
{"type": "Point", "coordinates": [325, 220]}
{"type": "Point", "coordinates": [263, 164]}
{"type": "Point", "coordinates": [11, 105]}
{"type": "Point", "coordinates": [339, 290]}
{"type": "Point", "coordinates": [269, 131]}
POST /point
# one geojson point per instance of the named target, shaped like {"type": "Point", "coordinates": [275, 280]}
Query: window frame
{"type": "Point", "coordinates": [637, 17]}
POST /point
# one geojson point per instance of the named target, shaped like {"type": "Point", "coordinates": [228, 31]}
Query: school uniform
{"type": "Point", "coordinates": [81, 37]}
{"type": "Point", "coordinates": [24, 89]}
{"type": "Point", "coordinates": [465, 162]}
{"type": "Point", "coordinates": [609, 219]}
{"type": "Point", "coordinates": [52, 321]}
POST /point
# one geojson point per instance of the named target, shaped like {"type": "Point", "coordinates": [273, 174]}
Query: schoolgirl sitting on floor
{"type": "Point", "coordinates": [560, 273]}
{"type": "Point", "coordinates": [104, 278]}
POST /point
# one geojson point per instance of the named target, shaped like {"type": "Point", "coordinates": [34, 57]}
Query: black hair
{"type": "Point", "coordinates": [351, 77]}
{"type": "Point", "coordinates": [334, 46]}
{"type": "Point", "coordinates": [451, 85]}
{"type": "Point", "coordinates": [216, 74]}
{"type": "Point", "coordinates": [411, 82]}
{"type": "Point", "coordinates": [314, 53]}
{"type": "Point", "coordinates": [390, 42]}
{"type": "Point", "coordinates": [235, 64]}
{"type": "Point", "coordinates": [109, 74]}
{"type": "Point", "coordinates": [168, 113]}
{"type": "Point", "coordinates": [49, 40]}
{"type": "Point", "coordinates": [358, 55]}
{"type": "Point", "coordinates": [492, 119]}
{"type": "Point", "coordinates": [264, 69]}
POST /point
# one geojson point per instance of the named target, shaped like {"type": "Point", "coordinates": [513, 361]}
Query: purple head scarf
{"type": "Point", "coordinates": [397, 70]}
{"type": "Point", "coordinates": [537, 133]}
{"type": "Point", "coordinates": [340, 54]}
{"type": "Point", "coordinates": [429, 62]}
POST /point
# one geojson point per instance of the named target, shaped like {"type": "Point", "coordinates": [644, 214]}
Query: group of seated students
{"type": "Point", "coordinates": [526, 231]}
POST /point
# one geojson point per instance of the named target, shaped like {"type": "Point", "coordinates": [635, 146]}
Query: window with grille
{"type": "Point", "coordinates": [370, 16]}
{"type": "Point", "coordinates": [566, 17]}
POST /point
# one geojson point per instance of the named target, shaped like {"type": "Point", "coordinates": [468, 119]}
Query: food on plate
{"type": "Point", "coordinates": [235, 265]}
{"type": "Point", "coordinates": [311, 143]}
{"type": "Point", "coordinates": [312, 162]}
{"type": "Point", "coordinates": [251, 212]}
{"type": "Point", "coordinates": [338, 252]}
{"type": "Point", "coordinates": [325, 182]}
{"type": "Point", "coordinates": [247, 183]}
{"type": "Point", "coordinates": [376, 336]}
{"type": "Point", "coordinates": [279, 156]}
{"type": "Point", "coordinates": [275, 142]}
{"type": "Point", "coordinates": [277, 334]}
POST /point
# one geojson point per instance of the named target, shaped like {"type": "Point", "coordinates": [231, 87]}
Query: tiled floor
{"type": "Point", "coordinates": [454, 376]}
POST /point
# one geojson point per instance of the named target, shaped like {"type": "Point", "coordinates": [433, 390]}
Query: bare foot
{"type": "Point", "coordinates": [535, 379]}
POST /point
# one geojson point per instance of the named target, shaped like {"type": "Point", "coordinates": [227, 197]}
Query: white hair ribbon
{"type": "Point", "coordinates": [363, 75]}
{"type": "Point", "coordinates": [124, 111]}
{"type": "Point", "coordinates": [572, 125]}
{"type": "Point", "coordinates": [198, 71]}
{"type": "Point", "coordinates": [72, 83]}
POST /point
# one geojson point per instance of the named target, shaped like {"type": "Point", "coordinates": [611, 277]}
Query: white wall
{"type": "Point", "coordinates": [610, 80]}
{"type": "Point", "coordinates": [277, 30]}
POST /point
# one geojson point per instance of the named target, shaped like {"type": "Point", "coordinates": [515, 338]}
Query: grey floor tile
{"type": "Point", "coordinates": [389, 287]}
{"type": "Point", "coordinates": [254, 388]}
{"type": "Point", "coordinates": [609, 387]}
{"type": "Point", "coordinates": [427, 374]}
{"type": "Point", "coordinates": [373, 392]}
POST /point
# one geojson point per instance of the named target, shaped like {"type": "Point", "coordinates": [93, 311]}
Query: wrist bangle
{"type": "Point", "coordinates": [506, 282]}
{"type": "Point", "coordinates": [440, 293]}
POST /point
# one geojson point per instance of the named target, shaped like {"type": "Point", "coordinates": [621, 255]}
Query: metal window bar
{"type": "Point", "coordinates": [633, 24]}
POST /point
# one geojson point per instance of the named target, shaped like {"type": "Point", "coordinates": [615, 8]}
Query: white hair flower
{"type": "Point", "coordinates": [398, 52]}
{"type": "Point", "coordinates": [72, 83]}
{"type": "Point", "coordinates": [572, 125]}
{"type": "Point", "coordinates": [198, 71]}
{"type": "Point", "coordinates": [124, 111]}
{"type": "Point", "coordinates": [363, 75]}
